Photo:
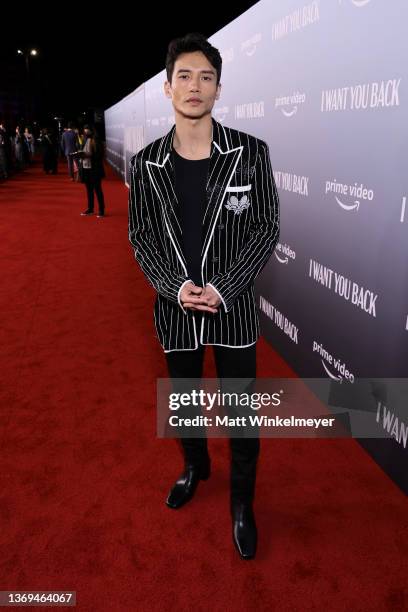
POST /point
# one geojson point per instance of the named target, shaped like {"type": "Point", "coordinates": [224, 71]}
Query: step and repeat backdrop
{"type": "Point", "coordinates": [325, 84]}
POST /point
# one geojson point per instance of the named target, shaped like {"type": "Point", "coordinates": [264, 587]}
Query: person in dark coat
{"type": "Point", "coordinates": [93, 172]}
{"type": "Point", "coordinates": [49, 152]}
{"type": "Point", "coordinates": [19, 146]}
{"type": "Point", "coordinates": [69, 145]}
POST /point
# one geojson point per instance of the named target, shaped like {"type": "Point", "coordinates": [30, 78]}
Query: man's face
{"type": "Point", "coordinates": [193, 88]}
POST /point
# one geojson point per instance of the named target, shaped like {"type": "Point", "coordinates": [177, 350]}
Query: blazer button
{"type": "Point", "coordinates": [215, 259]}
{"type": "Point", "coordinates": [221, 226]}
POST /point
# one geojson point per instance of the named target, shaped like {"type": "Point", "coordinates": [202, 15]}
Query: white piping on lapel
{"type": "Point", "coordinates": [150, 163]}
{"type": "Point", "coordinates": [240, 148]}
{"type": "Point", "coordinates": [225, 135]}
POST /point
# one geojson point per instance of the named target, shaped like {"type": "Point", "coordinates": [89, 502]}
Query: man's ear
{"type": "Point", "coordinates": [217, 95]}
{"type": "Point", "coordinates": [167, 89]}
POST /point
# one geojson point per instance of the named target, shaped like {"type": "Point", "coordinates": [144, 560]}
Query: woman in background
{"type": "Point", "coordinates": [92, 170]}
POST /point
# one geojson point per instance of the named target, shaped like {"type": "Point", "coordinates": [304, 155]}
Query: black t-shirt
{"type": "Point", "coordinates": [190, 188]}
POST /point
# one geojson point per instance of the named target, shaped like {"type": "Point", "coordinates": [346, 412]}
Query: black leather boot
{"type": "Point", "coordinates": [244, 531]}
{"type": "Point", "coordinates": [185, 486]}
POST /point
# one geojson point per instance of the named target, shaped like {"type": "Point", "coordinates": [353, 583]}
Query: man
{"type": "Point", "coordinates": [69, 145]}
{"type": "Point", "coordinates": [203, 222]}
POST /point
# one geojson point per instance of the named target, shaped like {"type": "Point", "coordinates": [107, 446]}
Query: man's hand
{"type": "Point", "coordinates": [199, 298]}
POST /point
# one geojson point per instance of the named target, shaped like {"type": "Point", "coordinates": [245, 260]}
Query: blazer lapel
{"type": "Point", "coordinates": [223, 162]}
{"type": "Point", "coordinates": [161, 174]}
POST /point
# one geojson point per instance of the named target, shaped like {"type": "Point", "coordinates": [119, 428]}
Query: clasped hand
{"type": "Point", "coordinates": [199, 298]}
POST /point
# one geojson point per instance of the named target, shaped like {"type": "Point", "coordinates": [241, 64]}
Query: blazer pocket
{"type": "Point", "coordinates": [239, 188]}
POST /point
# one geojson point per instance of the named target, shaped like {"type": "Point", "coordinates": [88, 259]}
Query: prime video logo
{"type": "Point", "coordinates": [283, 252]}
{"type": "Point", "coordinates": [291, 103]}
{"type": "Point", "coordinates": [358, 192]}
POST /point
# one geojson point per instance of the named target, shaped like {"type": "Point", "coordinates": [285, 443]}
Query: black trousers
{"type": "Point", "coordinates": [70, 161]}
{"type": "Point", "coordinates": [230, 363]}
{"type": "Point", "coordinates": [93, 184]}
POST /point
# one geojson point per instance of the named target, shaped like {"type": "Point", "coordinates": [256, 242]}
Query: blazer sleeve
{"type": "Point", "coordinates": [263, 234]}
{"type": "Point", "coordinates": [155, 267]}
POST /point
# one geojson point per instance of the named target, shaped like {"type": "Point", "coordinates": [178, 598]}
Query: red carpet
{"type": "Point", "coordinates": [84, 478]}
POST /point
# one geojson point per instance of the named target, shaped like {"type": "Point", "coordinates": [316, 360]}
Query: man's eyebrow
{"type": "Point", "coordinates": [189, 70]}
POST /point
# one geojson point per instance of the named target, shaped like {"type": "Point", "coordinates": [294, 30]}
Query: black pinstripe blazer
{"type": "Point", "coordinates": [240, 231]}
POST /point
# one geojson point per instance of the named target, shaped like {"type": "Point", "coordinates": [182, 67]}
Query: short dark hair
{"type": "Point", "coordinates": [194, 41]}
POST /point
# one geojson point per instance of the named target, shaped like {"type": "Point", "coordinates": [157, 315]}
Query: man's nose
{"type": "Point", "coordinates": [194, 86]}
